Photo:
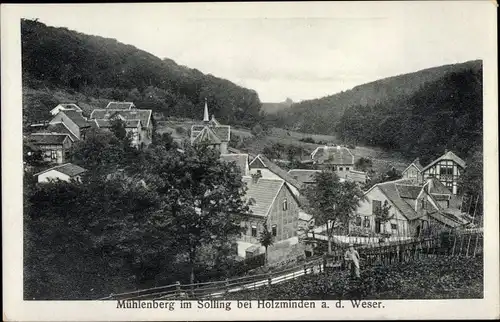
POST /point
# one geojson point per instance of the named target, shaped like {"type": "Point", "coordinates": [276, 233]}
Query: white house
{"type": "Point", "coordinates": [64, 172]}
{"type": "Point", "coordinates": [65, 107]}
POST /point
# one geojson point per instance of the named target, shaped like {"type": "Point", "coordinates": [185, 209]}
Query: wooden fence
{"type": "Point", "coordinates": [452, 244]}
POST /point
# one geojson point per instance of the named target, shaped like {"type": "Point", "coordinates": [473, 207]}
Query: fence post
{"type": "Point", "coordinates": [305, 269]}
{"type": "Point", "coordinates": [269, 280]}
{"type": "Point", "coordinates": [475, 247]}
{"type": "Point", "coordinates": [454, 243]}
{"type": "Point", "coordinates": [178, 288]}
{"type": "Point", "coordinates": [227, 285]}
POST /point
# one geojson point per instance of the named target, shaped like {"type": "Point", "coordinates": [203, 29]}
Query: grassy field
{"type": "Point", "coordinates": [382, 160]}
{"type": "Point", "coordinates": [429, 278]}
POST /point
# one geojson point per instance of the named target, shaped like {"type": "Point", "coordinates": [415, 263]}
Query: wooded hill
{"type": "Point", "coordinates": [419, 114]}
{"type": "Point", "coordinates": [58, 59]}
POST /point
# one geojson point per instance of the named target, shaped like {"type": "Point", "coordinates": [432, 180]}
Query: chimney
{"type": "Point", "coordinates": [205, 112]}
{"type": "Point", "coordinates": [256, 176]}
{"type": "Point", "coordinates": [213, 116]}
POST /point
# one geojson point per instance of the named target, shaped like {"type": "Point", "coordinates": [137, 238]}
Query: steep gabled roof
{"type": "Point", "coordinates": [241, 161]}
{"type": "Point", "coordinates": [76, 117]}
{"type": "Point", "coordinates": [48, 138]}
{"type": "Point", "coordinates": [391, 192]}
{"type": "Point", "coordinates": [264, 163]}
{"type": "Point", "coordinates": [68, 106]}
{"type": "Point", "coordinates": [447, 156]}
{"type": "Point", "coordinates": [206, 136]}
{"type": "Point", "coordinates": [223, 132]}
{"type": "Point", "coordinates": [264, 192]}
{"type": "Point", "coordinates": [68, 169]}
{"type": "Point", "coordinates": [333, 155]}
{"type": "Point", "coordinates": [416, 164]}
{"type": "Point", "coordinates": [134, 114]}
{"type": "Point", "coordinates": [120, 105]}
{"type": "Point", "coordinates": [60, 128]}
{"type": "Point", "coordinates": [408, 191]}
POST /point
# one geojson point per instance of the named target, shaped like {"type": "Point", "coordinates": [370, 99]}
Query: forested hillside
{"type": "Point", "coordinates": [58, 59]}
{"type": "Point", "coordinates": [418, 114]}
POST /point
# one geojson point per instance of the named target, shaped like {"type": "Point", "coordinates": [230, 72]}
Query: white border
{"type": "Point", "coordinates": [17, 309]}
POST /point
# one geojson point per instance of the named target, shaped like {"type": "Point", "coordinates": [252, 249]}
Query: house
{"type": "Point", "coordinates": [271, 202]}
{"type": "Point", "coordinates": [211, 133]}
{"type": "Point", "coordinates": [58, 128]}
{"type": "Point", "coordinates": [447, 168]}
{"type": "Point", "coordinates": [120, 106]}
{"type": "Point", "coordinates": [65, 107]}
{"type": "Point", "coordinates": [267, 169]}
{"type": "Point", "coordinates": [64, 172]}
{"type": "Point", "coordinates": [74, 121]}
{"type": "Point", "coordinates": [240, 159]}
{"type": "Point", "coordinates": [136, 121]}
{"type": "Point", "coordinates": [54, 147]}
{"type": "Point", "coordinates": [414, 171]}
{"type": "Point", "coordinates": [413, 208]}
{"type": "Point", "coordinates": [338, 158]}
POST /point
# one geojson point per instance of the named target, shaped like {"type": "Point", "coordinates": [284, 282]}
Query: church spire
{"type": "Point", "coordinates": [205, 113]}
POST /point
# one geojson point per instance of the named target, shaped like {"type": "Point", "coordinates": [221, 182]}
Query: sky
{"type": "Point", "coordinates": [295, 50]}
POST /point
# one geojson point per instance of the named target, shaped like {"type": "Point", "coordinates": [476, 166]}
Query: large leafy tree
{"type": "Point", "coordinates": [204, 197]}
{"type": "Point", "coordinates": [471, 184]}
{"type": "Point", "coordinates": [332, 202]}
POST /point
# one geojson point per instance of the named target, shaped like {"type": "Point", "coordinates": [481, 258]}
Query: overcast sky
{"type": "Point", "coordinates": [299, 50]}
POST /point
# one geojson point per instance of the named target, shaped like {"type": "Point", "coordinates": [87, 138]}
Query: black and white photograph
{"type": "Point", "coordinates": [217, 157]}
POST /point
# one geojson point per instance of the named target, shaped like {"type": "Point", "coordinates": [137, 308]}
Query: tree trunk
{"type": "Point", "coordinates": [329, 234]}
{"type": "Point", "coordinates": [191, 263]}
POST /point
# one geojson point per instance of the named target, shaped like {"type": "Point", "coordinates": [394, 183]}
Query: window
{"type": "Point", "coordinates": [366, 222]}
{"type": "Point", "coordinates": [423, 203]}
{"type": "Point", "coordinates": [347, 169]}
{"type": "Point", "coordinates": [285, 205]}
{"type": "Point", "coordinates": [376, 206]}
{"type": "Point", "coordinates": [274, 230]}
{"type": "Point", "coordinates": [358, 221]}
{"type": "Point", "coordinates": [394, 226]}
{"type": "Point", "coordinates": [53, 155]}
{"type": "Point", "coordinates": [341, 169]}
{"type": "Point", "coordinates": [254, 231]}
{"type": "Point", "coordinates": [259, 172]}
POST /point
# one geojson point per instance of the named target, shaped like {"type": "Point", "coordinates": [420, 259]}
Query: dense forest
{"type": "Point", "coordinates": [58, 59]}
{"type": "Point", "coordinates": [419, 114]}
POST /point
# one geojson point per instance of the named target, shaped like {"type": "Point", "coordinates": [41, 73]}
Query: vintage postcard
{"type": "Point", "coordinates": [250, 161]}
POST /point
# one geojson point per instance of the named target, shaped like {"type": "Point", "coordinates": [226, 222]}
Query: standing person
{"type": "Point", "coordinates": [352, 258]}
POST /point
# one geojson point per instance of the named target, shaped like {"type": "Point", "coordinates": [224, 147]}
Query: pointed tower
{"type": "Point", "coordinates": [205, 113]}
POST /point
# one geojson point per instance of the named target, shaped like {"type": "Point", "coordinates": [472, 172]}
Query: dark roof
{"type": "Point", "coordinates": [447, 219]}
{"type": "Point", "coordinates": [222, 132]}
{"type": "Point", "coordinates": [59, 128]}
{"type": "Point", "coordinates": [264, 192]}
{"type": "Point", "coordinates": [240, 159]}
{"type": "Point", "coordinates": [76, 117]}
{"type": "Point", "coordinates": [408, 191]}
{"type": "Point", "coordinates": [275, 169]}
{"type": "Point", "coordinates": [127, 123]}
{"type": "Point", "coordinates": [447, 156]}
{"type": "Point", "coordinates": [206, 136]}
{"type": "Point", "coordinates": [333, 155]}
{"type": "Point", "coordinates": [391, 192]}
{"type": "Point", "coordinates": [120, 105]}
{"type": "Point", "coordinates": [48, 138]}
{"type": "Point", "coordinates": [434, 186]}
{"type": "Point", "coordinates": [134, 114]}
{"type": "Point", "coordinates": [303, 175]}
{"type": "Point", "coordinates": [68, 169]}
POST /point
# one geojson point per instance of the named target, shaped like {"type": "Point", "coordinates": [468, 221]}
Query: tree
{"type": "Point", "coordinates": [471, 184]}
{"type": "Point", "coordinates": [266, 239]}
{"type": "Point", "coordinates": [332, 202]}
{"type": "Point", "coordinates": [363, 164]}
{"type": "Point", "coordinates": [382, 214]}
{"type": "Point", "coordinates": [118, 129]}
{"type": "Point", "coordinates": [204, 196]}
{"type": "Point", "coordinates": [257, 130]}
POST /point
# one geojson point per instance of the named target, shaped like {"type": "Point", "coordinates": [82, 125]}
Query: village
{"type": "Point", "coordinates": [425, 198]}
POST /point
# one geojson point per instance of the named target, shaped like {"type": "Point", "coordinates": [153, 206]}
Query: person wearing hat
{"type": "Point", "coordinates": [352, 258]}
